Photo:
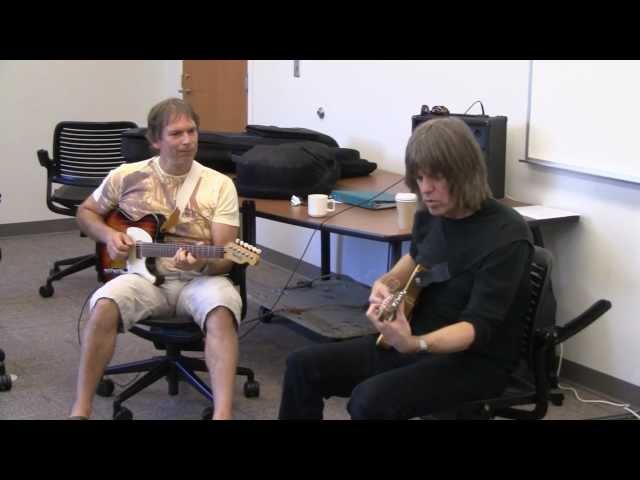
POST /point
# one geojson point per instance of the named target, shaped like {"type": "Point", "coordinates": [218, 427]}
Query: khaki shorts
{"type": "Point", "coordinates": [137, 298]}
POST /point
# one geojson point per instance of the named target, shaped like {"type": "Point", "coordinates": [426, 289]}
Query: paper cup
{"type": "Point", "coordinates": [406, 204]}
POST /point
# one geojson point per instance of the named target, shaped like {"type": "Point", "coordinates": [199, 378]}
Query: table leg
{"type": "Point", "coordinates": [396, 253]}
{"type": "Point", "coordinates": [325, 253]}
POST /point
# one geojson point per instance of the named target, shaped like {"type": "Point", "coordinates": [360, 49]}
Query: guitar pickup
{"type": "Point", "coordinates": [115, 271]}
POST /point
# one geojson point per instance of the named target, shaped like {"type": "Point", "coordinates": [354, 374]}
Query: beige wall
{"type": "Point", "coordinates": [37, 94]}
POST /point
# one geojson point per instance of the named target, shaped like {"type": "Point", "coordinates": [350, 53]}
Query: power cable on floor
{"type": "Point", "coordinates": [304, 252]}
{"type": "Point", "coordinates": [626, 406]}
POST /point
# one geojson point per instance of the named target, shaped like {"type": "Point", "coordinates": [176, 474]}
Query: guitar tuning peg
{"type": "Point", "coordinates": [238, 241]}
{"type": "Point", "coordinates": [258, 251]}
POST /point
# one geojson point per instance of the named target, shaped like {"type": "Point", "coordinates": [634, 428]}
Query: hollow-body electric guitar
{"type": "Point", "coordinates": [147, 234]}
{"type": "Point", "coordinates": [409, 293]}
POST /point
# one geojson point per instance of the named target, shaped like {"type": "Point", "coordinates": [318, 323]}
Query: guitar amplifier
{"type": "Point", "coordinates": [491, 134]}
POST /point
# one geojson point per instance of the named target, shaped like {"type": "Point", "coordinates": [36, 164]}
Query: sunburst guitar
{"type": "Point", "coordinates": [409, 293]}
{"type": "Point", "coordinates": [149, 246]}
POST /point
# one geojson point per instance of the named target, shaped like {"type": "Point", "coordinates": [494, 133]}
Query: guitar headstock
{"type": "Point", "coordinates": [241, 252]}
{"type": "Point", "coordinates": [391, 304]}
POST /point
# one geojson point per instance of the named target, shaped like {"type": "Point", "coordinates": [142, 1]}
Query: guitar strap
{"type": "Point", "coordinates": [183, 195]}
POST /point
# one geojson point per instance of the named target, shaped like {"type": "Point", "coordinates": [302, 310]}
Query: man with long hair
{"type": "Point", "coordinates": [463, 337]}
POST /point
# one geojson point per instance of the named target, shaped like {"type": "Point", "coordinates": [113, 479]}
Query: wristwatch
{"type": "Point", "coordinates": [422, 345]}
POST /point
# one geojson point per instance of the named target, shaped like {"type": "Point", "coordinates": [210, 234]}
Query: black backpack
{"type": "Point", "coordinates": [351, 165]}
{"type": "Point", "coordinates": [280, 171]}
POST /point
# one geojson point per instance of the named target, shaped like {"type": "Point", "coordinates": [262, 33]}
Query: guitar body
{"type": "Point", "coordinates": [147, 229]}
{"type": "Point", "coordinates": [409, 294]}
{"type": "Point", "coordinates": [146, 233]}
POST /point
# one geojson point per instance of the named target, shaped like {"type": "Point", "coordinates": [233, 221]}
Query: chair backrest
{"type": "Point", "coordinates": [538, 308]}
{"type": "Point", "coordinates": [85, 152]}
{"type": "Point", "coordinates": [530, 385]}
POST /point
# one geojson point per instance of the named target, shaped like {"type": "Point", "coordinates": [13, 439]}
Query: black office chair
{"type": "Point", "coordinates": [175, 334]}
{"type": "Point", "coordinates": [530, 385]}
{"type": "Point", "coordinates": [83, 154]}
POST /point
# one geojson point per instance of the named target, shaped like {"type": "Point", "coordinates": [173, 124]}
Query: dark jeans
{"type": "Point", "coordinates": [383, 384]}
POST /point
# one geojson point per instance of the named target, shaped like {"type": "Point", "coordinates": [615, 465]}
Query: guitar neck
{"type": "Point", "coordinates": [145, 249]}
{"type": "Point", "coordinates": [419, 268]}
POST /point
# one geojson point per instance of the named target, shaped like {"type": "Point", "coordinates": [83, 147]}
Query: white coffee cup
{"type": "Point", "coordinates": [318, 204]}
{"type": "Point", "coordinates": [406, 204]}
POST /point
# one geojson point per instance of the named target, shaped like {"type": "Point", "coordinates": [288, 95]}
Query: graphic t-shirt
{"type": "Point", "coordinates": [143, 188]}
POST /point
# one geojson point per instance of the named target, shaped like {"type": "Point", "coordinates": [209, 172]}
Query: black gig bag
{"type": "Point", "coordinates": [280, 171]}
{"type": "Point", "coordinates": [291, 134]}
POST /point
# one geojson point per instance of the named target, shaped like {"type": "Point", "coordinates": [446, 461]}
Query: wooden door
{"type": "Point", "coordinates": [217, 90]}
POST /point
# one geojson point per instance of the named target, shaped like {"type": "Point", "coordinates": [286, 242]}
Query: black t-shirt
{"type": "Point", "coordinates": [478, 271]}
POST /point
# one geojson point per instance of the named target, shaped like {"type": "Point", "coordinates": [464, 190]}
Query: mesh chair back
{"type": "Point", "coordinates": [85, 152]}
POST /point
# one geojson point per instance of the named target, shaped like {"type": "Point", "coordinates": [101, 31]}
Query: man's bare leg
{"type": "Point", "coordinates": [98, 345]}
{"type": "Point", "coordinates": [221, 357]}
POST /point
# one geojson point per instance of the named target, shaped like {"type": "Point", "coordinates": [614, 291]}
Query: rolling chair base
{"type": "Point", "coordinates": [75, 265]}
{"type": "Point", "coordinates": [173, 368]}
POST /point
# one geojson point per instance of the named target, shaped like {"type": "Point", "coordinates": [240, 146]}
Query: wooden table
{"type": "Point", "coordinates": [379, 225]}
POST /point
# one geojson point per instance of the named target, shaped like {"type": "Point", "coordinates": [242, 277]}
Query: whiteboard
{"type": "Point", "coordinates": [584, 115]}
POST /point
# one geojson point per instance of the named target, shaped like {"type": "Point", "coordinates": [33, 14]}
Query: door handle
{"type": "Point", "coordinates": [185, 90]}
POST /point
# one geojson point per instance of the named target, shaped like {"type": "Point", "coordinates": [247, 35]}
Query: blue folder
{"type": "Point", "coordinates": [365, 199]}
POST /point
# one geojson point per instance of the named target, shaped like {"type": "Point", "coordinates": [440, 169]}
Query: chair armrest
{"type": "Point", "coordinates": [44, 159]}
{"type": "Point", "coordinates": [582, 321]}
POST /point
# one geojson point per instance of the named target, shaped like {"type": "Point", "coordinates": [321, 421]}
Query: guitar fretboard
{"type": "Point", "coordinates": [144, 249]}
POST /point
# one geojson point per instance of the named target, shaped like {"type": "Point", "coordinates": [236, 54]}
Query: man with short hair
{"type": "Point", "coordinates": [193, 286]}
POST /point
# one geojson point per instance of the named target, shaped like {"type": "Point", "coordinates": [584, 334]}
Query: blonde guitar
{"type": "Point", "coordinates": [409, 293]}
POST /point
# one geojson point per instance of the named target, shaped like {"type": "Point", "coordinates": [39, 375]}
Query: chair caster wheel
{"type": "Point", "coordinates": [46, 291]}
{"type": "Point", "coordinates": [557, 399]}
{"type": "Point", "coordinates": [105, 387]}
{"type": "Point", "coordinates": [5, 383]}
{"type": "Point", "coordinates": [206, 414]}
{"type": "Point", "coordinates": [266, 315]}
{"type": "Point", "coordinates": [251, 389]}
{"type": "Point", "coordinates": [122, 413]}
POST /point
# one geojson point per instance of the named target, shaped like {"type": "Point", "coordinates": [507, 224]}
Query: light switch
{"type": "Point", "coordinates": [296, 68]}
